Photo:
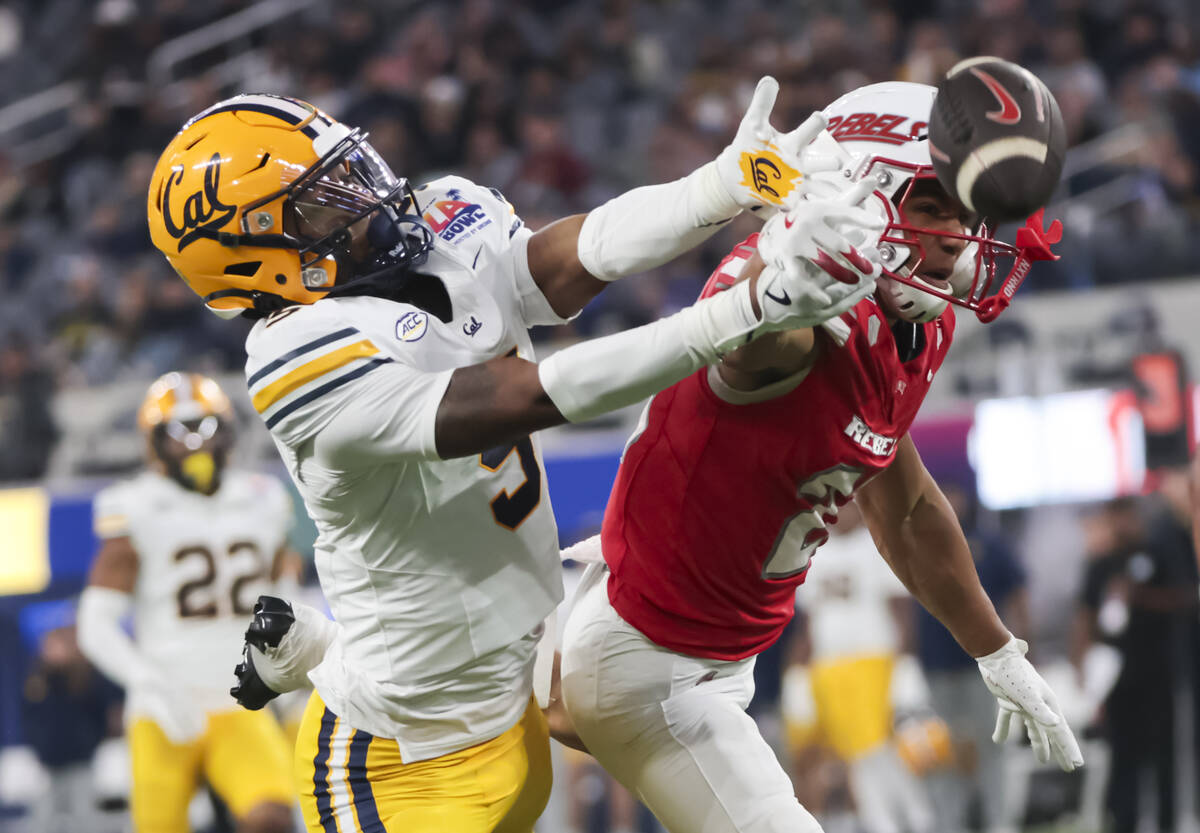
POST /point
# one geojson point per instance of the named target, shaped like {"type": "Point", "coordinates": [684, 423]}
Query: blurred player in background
{"type": "Point", "coordinates": [728, 484]}
{"type": "Point", "coordinates": [857, 642]}
{"type": "Point", "coordinates": [391, 361]}
{"type": "Point", "coordinates": [187, 546]}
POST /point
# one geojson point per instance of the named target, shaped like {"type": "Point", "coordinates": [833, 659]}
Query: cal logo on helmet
{"type": "Point", "coordinates": [257, 200]}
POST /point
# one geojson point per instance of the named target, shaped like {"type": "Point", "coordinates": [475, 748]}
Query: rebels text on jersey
{"type": "Point", "coordinates": [724, 496]}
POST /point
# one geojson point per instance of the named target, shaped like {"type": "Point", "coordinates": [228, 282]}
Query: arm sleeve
{"type": "Point", "coordinates": [104, 641]}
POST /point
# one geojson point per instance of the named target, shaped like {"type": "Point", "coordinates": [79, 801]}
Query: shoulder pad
{"type": "Point", "coordinates": [295, 357]}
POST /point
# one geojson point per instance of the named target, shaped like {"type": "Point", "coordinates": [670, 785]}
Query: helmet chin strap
{"type": "Point", "coordinates": [398, 244]}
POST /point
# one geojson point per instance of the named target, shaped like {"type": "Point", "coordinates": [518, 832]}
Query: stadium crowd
{"type": "Point", "coordinates": [559, 105]}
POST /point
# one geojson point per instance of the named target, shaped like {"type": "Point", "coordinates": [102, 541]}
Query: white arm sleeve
{"type": "Point", "coordinates": [649, 226]}
{"type": "Point", "coordinates": [601, 375]}
{"type": "Point", "coordinates": [102, 639]}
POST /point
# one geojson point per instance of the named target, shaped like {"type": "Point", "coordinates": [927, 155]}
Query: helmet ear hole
{"type": "Point", "coordinates": [245, 269]}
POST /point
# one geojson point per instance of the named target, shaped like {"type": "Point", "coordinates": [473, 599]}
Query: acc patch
{"type": "Point", "coordinates": [766, 174]}
{"type": "Point", "coordinates": [412, 326]}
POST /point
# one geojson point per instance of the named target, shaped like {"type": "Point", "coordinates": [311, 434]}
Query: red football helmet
{"type": "Point", "coordinates": [881, 130]}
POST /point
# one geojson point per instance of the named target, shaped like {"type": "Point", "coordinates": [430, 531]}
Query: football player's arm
{"type": "Point", "coordinates": [918, 534]}
{"type": "Point", "coordinates": [771, 357]}
{"type": "Point", "coordinates": [573, 259]}
{"type": "Point", "coordinates": [287, 565]}
{"type": "Point", "coordinates": [105, 602]}
{"type": "Point", "coordinates": [503, 400]}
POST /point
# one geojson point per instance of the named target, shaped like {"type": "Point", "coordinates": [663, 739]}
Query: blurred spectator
{"type": "Point", "coordinates": [67, 709]}
{"type": "Point", "coordinates": [959, 695]}
{"type": "Point", "coordinates": [1140, 595]}
{"type": "Point", "coordinates": [557, 104]}
{"type": "Point", "coordinates": [25, 420]}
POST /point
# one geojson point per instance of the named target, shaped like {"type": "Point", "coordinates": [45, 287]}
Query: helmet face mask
{"type": "Point", "coordinates": [263, 201]}
{"type": "Point", "coordinates": [351, 207]}
{"type": "Point", "coordinates": [882, 131]}
{"type": "Point", "coordinates": [193, 453]}
{"type": "Point", "coordinates": [188, 424]}
{"type": "Point", "coordinates": [920, 281]}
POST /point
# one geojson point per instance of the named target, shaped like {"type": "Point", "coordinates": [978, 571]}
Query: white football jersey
{"type": "Point", "coordinates": [846, 598]}
{"type": "Point", "coordinates": [202, 563]}
{"type": "Point", "coordinates": [439, 572]}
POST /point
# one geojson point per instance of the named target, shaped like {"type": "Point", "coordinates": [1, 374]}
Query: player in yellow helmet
{"type": "Point", "coordinates": [186, 547]}
{"type": "Point", "coordinates": [393, 365]}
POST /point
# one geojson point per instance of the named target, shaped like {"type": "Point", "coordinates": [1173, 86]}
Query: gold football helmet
{"type": "Point", "coordinates": [188, 424]}
{"type": "Point", "coordinates": [261, 201]}
{"type": "Point", "coordinates": [923, 742]}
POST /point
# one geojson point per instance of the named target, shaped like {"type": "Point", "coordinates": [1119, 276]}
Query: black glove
{"type": "Point", "coordinates": [272, 619]}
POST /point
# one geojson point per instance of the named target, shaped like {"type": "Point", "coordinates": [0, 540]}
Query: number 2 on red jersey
{"type": "Point", "coordinates": [826, 493]}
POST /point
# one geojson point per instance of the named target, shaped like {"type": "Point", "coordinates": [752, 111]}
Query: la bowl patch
{"type": "Point", "coordinates": [412, 326]}
{"type": "Point", "coordinates": [454, 219]}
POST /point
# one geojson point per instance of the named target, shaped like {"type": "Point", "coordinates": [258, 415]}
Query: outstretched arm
{"type": "Point", "coordinates": [917, 532]}
{"type": "Point", "coordinates": [573, 259]}
{"type": "Point", "coordinates": [503, 400]}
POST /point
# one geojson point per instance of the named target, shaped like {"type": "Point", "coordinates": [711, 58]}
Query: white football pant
{"type": "Point", "coordinates": [673, 729]}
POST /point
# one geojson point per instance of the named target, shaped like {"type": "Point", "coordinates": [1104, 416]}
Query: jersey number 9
{"type": "Point", "coordinates": [510, 509]}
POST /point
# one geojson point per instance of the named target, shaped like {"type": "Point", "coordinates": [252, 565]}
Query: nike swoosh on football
{"type": "Point", "coordinates": [1009, 112]}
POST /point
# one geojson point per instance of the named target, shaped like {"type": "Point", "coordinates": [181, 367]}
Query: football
{"type": "Point", "coordinates": [996, 138]}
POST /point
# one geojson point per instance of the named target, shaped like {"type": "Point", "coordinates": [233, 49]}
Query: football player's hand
{"type": "Point", "coordinates": [284, 642]}
{"type": "Point", "coordinates": [820, 259]}
{"type": "Point", "coordinates": [763, 167]}
{"type": "Point", "coordinates": [1023, 695]}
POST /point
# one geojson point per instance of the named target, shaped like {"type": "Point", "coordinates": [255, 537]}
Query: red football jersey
{"type": "Point", "coordinates": [722, 497]}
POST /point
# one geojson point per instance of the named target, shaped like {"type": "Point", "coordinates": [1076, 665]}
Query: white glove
{"type": "Point", "coordinates": [763, 167]}
{"type": "Point", "coordinates": [813, 271]}
{"type": "Point", "coordinates": [837, 235]}
{"type": "Point", "coordinates": [1023, 694]}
